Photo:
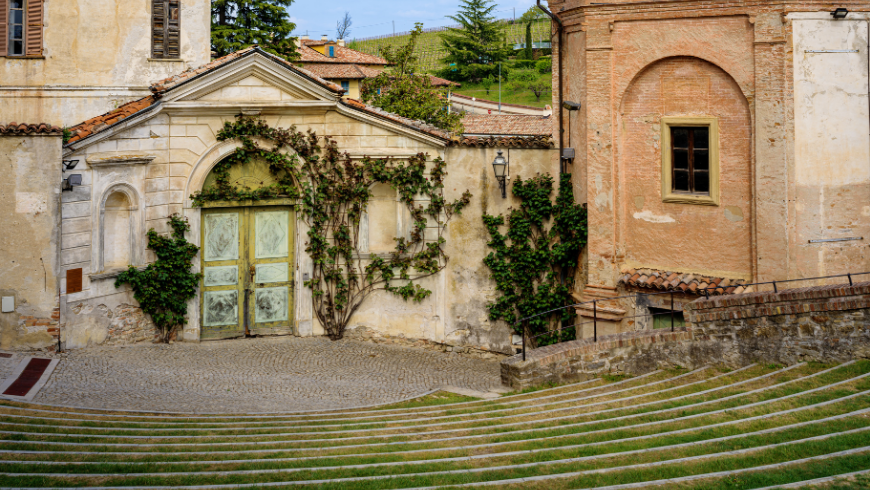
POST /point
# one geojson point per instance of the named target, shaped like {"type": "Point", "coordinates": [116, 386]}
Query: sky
{"type": "Point", "coordinates": [376, 17]}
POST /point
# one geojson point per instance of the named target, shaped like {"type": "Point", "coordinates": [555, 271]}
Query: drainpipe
{"type": "Point", "coordinates": [558, 23]}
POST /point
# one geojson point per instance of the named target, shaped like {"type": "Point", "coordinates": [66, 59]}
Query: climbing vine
{"type": "Point", "coordinates": [333, 191]}
{"type": "Point", "coordinates": [533, 263]}
{"type": "Point", "coordinates": [165, 286]}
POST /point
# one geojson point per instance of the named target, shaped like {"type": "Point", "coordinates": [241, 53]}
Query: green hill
{"type": "Point", "coordinates": [429, 48]}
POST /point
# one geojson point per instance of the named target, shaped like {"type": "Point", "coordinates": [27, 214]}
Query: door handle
{"type": "Point", "coordinates": [253, 271]}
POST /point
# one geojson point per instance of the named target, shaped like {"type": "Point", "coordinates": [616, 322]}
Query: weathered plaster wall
{"type": "Point", "coordinates": [29, 204]}
{"type": "Point", "coordinates": [832, 144]}
{"type": "Point", "coordinates": [96, 57]}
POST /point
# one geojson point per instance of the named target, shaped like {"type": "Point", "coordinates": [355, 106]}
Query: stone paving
{"type": "Point", "coordinates": [257, 375]}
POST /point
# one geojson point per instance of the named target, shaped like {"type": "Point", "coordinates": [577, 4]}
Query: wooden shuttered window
{"type": "Point", "coordinates": [21, 27]}
{"type": "Point", "coordinates": [4, 27]}
{"type": "Point", "coordinates": [34, 21]}
{"type": "Point", "coordinates": [165, 29]}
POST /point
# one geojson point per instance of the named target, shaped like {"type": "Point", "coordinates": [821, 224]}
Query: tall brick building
{"type": "Point", "coordinates": [718, 142]}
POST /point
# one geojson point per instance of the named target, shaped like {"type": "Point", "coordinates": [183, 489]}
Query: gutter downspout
{"type": "Point", "coordinates": [562, 165]}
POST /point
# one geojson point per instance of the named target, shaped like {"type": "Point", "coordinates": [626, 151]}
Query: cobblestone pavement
{"type": "Point", "coordinates": [257, 375]}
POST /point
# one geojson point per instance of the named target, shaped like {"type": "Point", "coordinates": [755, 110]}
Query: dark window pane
{"type": "Point", "coordinates": [680, 137]}
{"type": "Point", "coordinates": [16, 4]}
{"type": "Point", "coordinates": [17, 32]}
{"type": "Point", "coordinates": [702, 182]}
{"type": "Point", "coordinates": [16, 48]}
{"type": "Point", "coordinates": [17, 17]}
{"type": "Point", "coordinates": [681, 180]}
{"type": "Point", "coordinates": [702, 138]}
{"type": "Point", "coordinates": [702, 159]}
{"type": "Point", "coordinates": [681, 159]}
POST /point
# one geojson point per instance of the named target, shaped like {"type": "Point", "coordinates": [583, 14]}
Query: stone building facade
{"type": "Point", "coordinates": [82, 58]}
{"type": "Point", "coordinates": [775, 94]}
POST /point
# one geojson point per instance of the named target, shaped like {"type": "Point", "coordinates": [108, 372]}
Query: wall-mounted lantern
{"type": "Point", "coordinates": [840, 13]}
{"type": "Point", "coordinates": [502, 172]}
{"type": "Point", "coordinates": [71, 181]}
{"type": "Point", "coordinates": [69, 164]}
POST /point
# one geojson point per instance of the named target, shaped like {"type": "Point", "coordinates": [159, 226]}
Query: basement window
{"type": "Point", "coordinates": [690, 160]}
{"type": "Point", "coordinates": [662, 318]}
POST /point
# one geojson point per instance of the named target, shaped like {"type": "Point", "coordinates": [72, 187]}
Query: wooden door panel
{"type": "Point", "coordinates": [223, 274]}
{"type": "Point", "coordinates": [271, 234]}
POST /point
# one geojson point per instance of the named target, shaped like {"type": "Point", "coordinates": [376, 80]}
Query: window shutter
{"type": "Point", "coordinates": [34, 20]}
{"type": "Point", "coordinates": [165, 29]}
{"type": "Point", "coordinates": [4, 23]}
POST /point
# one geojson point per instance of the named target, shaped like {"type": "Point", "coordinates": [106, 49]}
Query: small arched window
{"type": "Point", "coordinates": [118, 230]}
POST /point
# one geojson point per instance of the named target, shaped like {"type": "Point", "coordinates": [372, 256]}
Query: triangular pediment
{"type": "Point", "coordinates": [250, 89]}
{"type": "Point", "coordinates": [253, 78]}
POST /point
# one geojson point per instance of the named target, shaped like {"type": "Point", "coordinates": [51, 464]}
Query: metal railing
{"type": "Point", "coordinates": [706, 292]}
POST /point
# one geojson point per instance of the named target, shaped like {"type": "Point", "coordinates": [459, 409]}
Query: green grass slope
{"type": "Point", "coordinates": [755, 427]}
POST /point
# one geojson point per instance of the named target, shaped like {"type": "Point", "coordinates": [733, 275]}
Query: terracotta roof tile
{"type": "Point", "coordinates": [343, 54]}
{"type": "Point", "coordinates": [16, 129]}
{"type": "Point", "coordinates": [440, 82]}
{"type": "Point", "coordinates": [542, 142]}
{"type": "Point", "coordinates": [189, 74]}
{"type": "Point", "coordinates": [348, 71]}
{"type": "Point", "coordinates": [679, 282]}
{"type": "Point", "coordinates": [99, 123]}
{"type": "Point", "coordinates": [504, 124]}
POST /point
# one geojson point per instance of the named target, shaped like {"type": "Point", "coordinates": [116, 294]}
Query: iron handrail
{"type": "Point", "coordinates": [705, 291]}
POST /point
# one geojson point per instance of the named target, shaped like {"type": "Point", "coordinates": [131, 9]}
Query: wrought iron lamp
{"type": "Point", "coordinates": [69, 164]}
{"type": "Point", "coordinates": [840, 13]}
{"type": "Point", "coordinates": [502, 172]}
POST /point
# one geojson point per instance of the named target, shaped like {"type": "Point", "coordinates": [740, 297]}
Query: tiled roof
{"type": "Point", "coordinates": [528, 142]}
{"type": "Point", "coordinates": [682, 283]}
{"type": "Point", "coordinates": [16, 129]}
{"type": "Point", "coordinates": [191, 73]}
{"type": "Point", "coordinates": [329, 71]}
{"type": "Point", "coordinates": [503, 124]}
{"type": "Point", "coordinates": [418, 125]}
{"type": "Point", "coordinates": [342, 55]}
{"type": "Point", "coordinates": [99, 123]}
{"type": "Point", "coordinates": [440, 82]}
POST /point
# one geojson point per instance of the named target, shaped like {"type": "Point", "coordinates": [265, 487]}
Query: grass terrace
{"type": "Point", "coordinates": [761, 426]}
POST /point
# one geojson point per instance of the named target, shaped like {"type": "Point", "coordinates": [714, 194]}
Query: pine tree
{"type": "Point", "coordinates": [237, 24]}
{"type": "Point", "coordinates": [479, 42]}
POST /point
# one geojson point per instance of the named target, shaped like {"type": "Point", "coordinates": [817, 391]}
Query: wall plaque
{"type": "Point", "coordinates": [74, 281]}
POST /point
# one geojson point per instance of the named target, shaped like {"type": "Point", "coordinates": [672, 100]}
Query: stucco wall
{"type": "Point", "coordinates": [832, 144]}
{"type": "Point", "coordinates": [96, 57]}
{"type": "Point", "coordinates": [29, 205]}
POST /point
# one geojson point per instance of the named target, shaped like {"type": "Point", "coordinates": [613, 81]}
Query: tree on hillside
{"type": "Point", "coordinates": [237, 24]}
{"type": "Point", "coordinates": [531, 16]}
{"type": "Point", "coordinates": [479, 43]}
{"type": "Point", "coordinates": [342, 27]}
{"type": "Point", "coordinates": [401, 91]}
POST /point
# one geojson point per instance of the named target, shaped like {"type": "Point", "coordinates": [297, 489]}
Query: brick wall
{"type": "Point", "coordinates": [823, 323]}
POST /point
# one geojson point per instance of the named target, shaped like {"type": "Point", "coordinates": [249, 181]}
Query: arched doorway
{"type": "Point", "coordinates": [248, 261]}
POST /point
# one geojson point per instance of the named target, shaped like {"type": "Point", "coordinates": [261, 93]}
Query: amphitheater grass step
{"type": "Point", "coordinates": [587, 435]}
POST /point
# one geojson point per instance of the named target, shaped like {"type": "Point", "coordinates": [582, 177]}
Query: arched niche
{"type": "Point", "coordinates": [119, 231]}
{"type": "Point", "coordinates": [676, 234]}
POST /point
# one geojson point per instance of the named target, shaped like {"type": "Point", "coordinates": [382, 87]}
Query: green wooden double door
{"type": "Point", "coordinates": [247, 264]}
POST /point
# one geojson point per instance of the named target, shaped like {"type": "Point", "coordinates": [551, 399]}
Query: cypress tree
{"type": "Point", "coordinates": [528, 54]}
{"type": "Point", "coordinates": [237, 24]}
{"type": "Point", "coordinates": [479, 41]}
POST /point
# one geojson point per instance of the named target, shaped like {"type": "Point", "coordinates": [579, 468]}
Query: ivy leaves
{"type": "Point", "coordinates": [164, 287]}
{"type": "Point", "coordinates": [541, 246]}
{"type": "Point", "coordinates": [333, 192]}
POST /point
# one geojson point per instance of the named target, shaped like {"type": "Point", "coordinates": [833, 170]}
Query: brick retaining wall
{"type": "Point", "coordinates": [824, 323]}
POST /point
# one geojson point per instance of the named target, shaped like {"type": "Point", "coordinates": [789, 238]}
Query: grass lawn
{"type": "Point", "coordinates": [507, 97]}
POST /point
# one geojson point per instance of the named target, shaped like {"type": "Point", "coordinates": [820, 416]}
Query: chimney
{"type": "Point", "coordinates": [340, 42]}
{"type": "Point", "coordinates": [304, 38]}
{"type": "Point", "coordinates": [324, 38]}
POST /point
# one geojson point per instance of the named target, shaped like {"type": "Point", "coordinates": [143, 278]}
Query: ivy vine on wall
{"type": "Point", "coordinates": [165, 286]}
{"type": "Point", "coordinates": [533, 263]}
{"type": "Point", "coordinates": [333, 191]}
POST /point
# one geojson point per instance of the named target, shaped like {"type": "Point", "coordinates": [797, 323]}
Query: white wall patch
{"type": "Point", "coordinates": [653, 218]}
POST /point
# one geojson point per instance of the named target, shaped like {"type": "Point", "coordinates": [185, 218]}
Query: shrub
{"type": "Point", "coordinates": [544, 65]}
{"type": "Point", "coordinates": [523, 76]}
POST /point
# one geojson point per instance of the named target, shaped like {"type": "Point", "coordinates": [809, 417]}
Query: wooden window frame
{"type": "Point", "coordinates": [167, 14]}
{"type": "Point", "coordinates": [668, 193]}
{"type": "Point", "coordinates": [8, 31]}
